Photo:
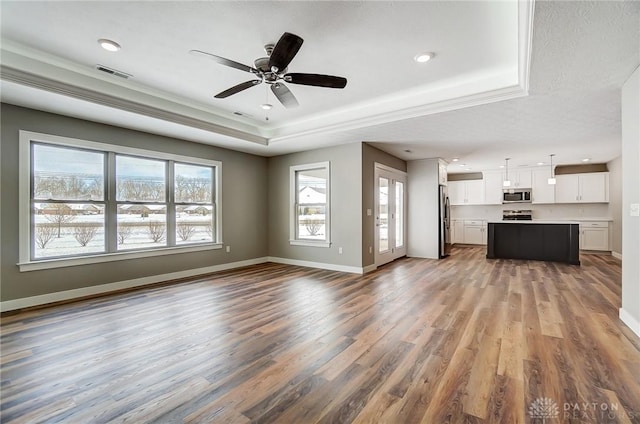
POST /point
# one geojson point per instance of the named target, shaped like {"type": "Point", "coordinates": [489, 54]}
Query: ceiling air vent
{"type": "Point", "coordinates": [246, 115]}
{"type": "Point", "coordinates": [113, 72]}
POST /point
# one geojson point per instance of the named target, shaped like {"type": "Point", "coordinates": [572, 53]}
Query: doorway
{"type": "Point", "coordinates": [390, 202]}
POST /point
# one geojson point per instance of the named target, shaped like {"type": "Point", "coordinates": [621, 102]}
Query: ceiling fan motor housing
{"type": "Point", "coordinates": [262, 65]}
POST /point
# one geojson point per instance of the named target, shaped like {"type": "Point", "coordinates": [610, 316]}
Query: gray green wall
{"type": "Point", "coordinates": [346, 198]}
{"type": "Point", "coordinates": [371, 155]}
{"type": "Point", "coordinates": [244, 206]}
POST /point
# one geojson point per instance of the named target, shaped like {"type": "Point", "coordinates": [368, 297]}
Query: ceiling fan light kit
{"type": "Point", "coordinates": [272, 70]}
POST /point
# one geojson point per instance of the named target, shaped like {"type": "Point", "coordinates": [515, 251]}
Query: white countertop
{"type": "Point", "coordinates": [582, 219]}
{"type": "Point", "coordinates": [534, 221]}
{"type": "Point", "coordinates": [572, 220]}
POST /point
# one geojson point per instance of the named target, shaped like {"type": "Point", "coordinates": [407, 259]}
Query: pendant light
{"type": "Point", "coordinates": [552, 178]}
{"type": "Point", "coordinates": [506, 182]}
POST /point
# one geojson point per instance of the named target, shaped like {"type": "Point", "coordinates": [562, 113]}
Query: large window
{"type": "Point", "coordinates": [84, 202]}
{"type": "Point", "coordinates": [310, 201]}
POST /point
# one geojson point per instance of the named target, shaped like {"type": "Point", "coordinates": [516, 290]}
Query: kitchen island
{"type": "Point", "coordinates": [541, 240]}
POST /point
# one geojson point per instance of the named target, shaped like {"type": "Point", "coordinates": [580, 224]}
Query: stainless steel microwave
{"type": "Point", "coordinates": [516, 196]}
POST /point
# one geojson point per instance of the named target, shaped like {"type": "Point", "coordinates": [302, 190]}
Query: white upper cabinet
{"type": "Point", "coordinates": [492, 187]}
{"type": "Point", "coordinates": [594, 187]}
{"type": "Point", "coordinates": [519, 178]}
{"type": "Point", "coordinates": [591, 187]}
{"type": "Point", "coordinates": [541, 190]}
{"type": "Point", "coordinates": [470, 192]}
{"type": "Point", "coordinates": [475, 192]}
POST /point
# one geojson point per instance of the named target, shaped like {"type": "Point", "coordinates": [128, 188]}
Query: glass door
{"type": "Point", "coordinates": [390, 216]}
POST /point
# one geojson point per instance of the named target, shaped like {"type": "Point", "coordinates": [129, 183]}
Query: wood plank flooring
{"type": "Point", "coordinates": [464, 339]}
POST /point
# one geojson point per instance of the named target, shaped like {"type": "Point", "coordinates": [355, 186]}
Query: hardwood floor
{"type": "Point", "coordinates": [418, 341]}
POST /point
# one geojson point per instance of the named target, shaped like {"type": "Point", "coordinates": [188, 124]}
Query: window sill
{"type": "Point", "coordinates": [110, 257]}
{"type": "Point", "coordinates": [310, 243]}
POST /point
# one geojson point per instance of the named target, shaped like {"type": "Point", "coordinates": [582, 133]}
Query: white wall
{"type": "Point", "coordinates": [630, 311]}
{"type": "Point", "coordinates": [423, 206]}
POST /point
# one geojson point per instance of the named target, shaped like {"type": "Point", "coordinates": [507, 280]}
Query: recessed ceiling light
{"type": "Point", "coordinates": [586, 159]}
{"type": "Point", "coordinates": [463, 164]}
{"type": "Point", "coordinates": [455, 160]}
{"type": "Point", "coordinates": [266, 106]}
{"type": "Point", "coordinates": [501, 166]}
{"type": "Point", "coordinates": [540, 163]}
{"type": "Point", "coordinates": [468, 169]}
{"type": "Point", "coordinates": [109, 45]}
{"type": "Point", "coordinates": [423, 57]}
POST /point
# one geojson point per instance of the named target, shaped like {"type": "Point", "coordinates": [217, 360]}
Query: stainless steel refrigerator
{"type": "Point", "coordinates": [444, 223]}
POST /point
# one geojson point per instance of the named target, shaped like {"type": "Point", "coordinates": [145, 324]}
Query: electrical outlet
{"type": "Point", "coordinates": [634, 210]}
{"type": "Point", "coordinates": [228, 249]}
{"type": "Point", "coordinates": [370, 249]}
{"type": "Point", "coordinates": [340, 250]}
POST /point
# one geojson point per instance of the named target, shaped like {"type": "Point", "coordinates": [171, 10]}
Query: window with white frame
{"type": "Point", "coordinates": [94, 202]}
{"type": "Point", "coordinates": [310, 204]}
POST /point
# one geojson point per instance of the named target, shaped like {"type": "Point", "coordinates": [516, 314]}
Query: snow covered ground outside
{"type": "Point", "coordinates": [138, 238]}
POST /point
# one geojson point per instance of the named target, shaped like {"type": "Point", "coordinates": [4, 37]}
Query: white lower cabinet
{"type": "Point", "coordinates": [469, 232]}
{"type": "Point", "coordinates": [473, 232]}
{"type": "Point", "coordinates": [458, 232]}
{"type": "Point", "coordinates": [594, 236]}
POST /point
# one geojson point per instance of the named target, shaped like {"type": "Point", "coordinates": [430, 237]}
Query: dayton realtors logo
{"type": "Point", "coordinates": [544, 409]}
{"type": "Point", "coordinates": [547, 409]}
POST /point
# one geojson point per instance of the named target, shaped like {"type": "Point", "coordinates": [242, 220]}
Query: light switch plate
{"type": "Point", "coordinates": [634, 209]}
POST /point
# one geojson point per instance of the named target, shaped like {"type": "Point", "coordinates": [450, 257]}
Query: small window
{"type": "Point", "coordinates": [310, 204]}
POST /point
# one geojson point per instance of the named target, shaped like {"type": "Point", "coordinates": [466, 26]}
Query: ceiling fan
{"type": "Point", "coordinates": [272, 70]}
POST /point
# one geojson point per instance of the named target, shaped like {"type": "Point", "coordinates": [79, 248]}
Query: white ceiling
{"type": "Point", "coordinates": [465, 103]}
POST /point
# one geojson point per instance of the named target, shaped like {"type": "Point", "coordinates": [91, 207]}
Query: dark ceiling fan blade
{"type": "Point", "coordinates": [224, 61]}
{"type": "Point", "coordinates": [317, 80]}
{"type": "Point", "coordinates": [283, 94]}
{"type": "Point", "coordinates": [236, 89]}
{"type": "Point", "coordinates": [285, 50]}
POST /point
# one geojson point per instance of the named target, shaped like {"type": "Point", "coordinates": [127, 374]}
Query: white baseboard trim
{"type": "Point", "coordinates": [616, 255]}
{"type": "Point", "coordinates": [321, 265]}
{"type": "Point", "coordinates": [630, 321]}
{"type": "Point", "coordinates": [27, 302]}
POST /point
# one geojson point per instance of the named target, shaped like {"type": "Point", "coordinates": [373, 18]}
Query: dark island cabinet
{"type": "Point", "coordinates": [541, 241]}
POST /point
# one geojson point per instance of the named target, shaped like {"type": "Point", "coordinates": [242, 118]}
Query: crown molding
{"type": "Point", "coordinates": [32, 68]}
{"type": "Point", "coordinates": [43, 83]}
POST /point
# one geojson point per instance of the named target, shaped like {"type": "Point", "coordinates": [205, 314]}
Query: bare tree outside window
{"type": "Point", "coordinates": [185, 230]}
{"type": "Point", "coordinates": [313, 226]}
{"type": "Point", "coordinates": [84, 234]}
{"type": "Point", "coordinates": [60, 214]}
{"type": "Point", "coordinates": [156, 231]}
{"type": "Point", "coordinates": [124, 232]}
{"type": "Point", "coordinates": [44, 234]}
